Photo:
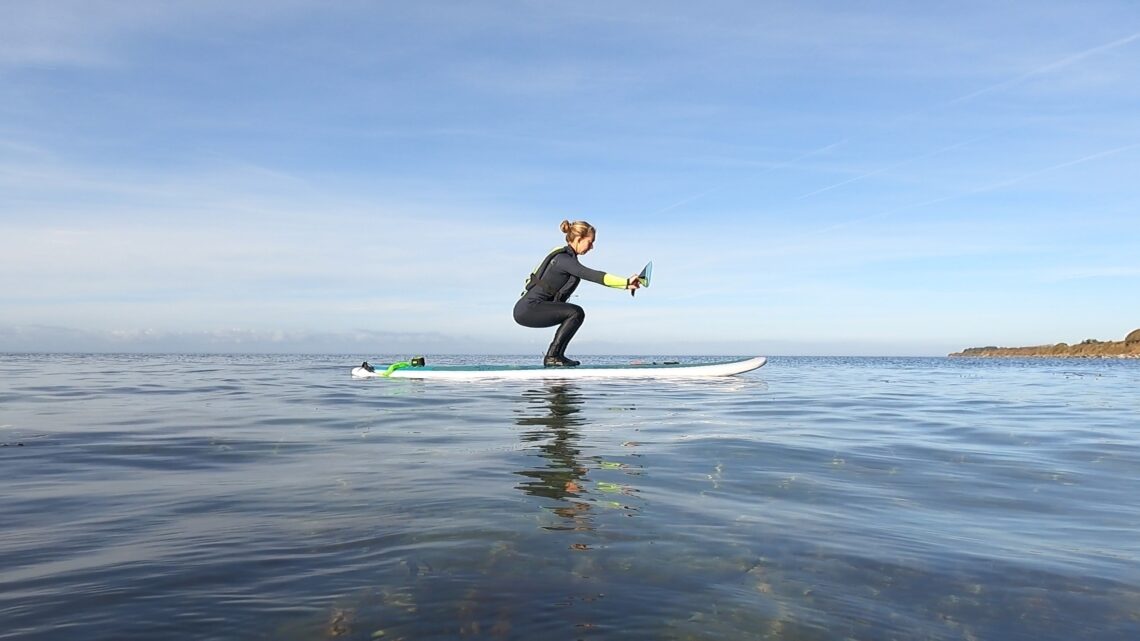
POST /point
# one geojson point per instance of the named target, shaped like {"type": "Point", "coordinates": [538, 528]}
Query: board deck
{"type": "Point", "coordinates": [528, 372]}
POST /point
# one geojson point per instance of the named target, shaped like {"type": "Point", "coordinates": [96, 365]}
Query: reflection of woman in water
{"type": "Point", "coordinates": [555, 428]}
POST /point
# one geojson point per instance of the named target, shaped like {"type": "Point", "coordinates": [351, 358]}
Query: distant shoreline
{"type": "Point", "coordinates": [1090, 348]}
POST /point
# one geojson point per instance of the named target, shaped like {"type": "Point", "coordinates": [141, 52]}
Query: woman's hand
{"type": "Point", "coordinates": [634, 282]}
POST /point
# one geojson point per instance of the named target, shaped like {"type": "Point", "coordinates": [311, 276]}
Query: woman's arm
{"type": "Point", "coordinates": [571, 265]}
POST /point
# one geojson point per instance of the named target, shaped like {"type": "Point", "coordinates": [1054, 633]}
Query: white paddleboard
{"type": "Point", "coordinates": [670, 370]}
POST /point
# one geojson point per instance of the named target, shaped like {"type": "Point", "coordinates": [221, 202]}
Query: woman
{"type": "Point", "coordinates": [543, 304]}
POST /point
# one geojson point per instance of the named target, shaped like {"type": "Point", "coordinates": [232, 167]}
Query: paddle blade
{"type": "Point", "coordinates": [644, 277]}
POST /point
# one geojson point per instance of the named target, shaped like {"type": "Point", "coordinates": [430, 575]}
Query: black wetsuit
{"type": "Point", "coordinates": [544, 304]}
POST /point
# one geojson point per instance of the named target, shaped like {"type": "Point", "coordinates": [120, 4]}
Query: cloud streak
{"type": "Point", "coordinates": [991, 187]}
{"type": "Point", "coordinates": [1048, 68]}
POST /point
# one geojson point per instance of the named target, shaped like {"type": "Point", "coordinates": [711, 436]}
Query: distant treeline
{"type": "Point", "coordinates": [1090, 348]}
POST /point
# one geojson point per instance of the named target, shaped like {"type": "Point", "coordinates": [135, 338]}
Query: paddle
{"type": "Point", "coordinates": [644, 277]}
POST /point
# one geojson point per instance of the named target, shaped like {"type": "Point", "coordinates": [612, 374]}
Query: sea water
{"type": "Point", "coordinates": [274, 497]}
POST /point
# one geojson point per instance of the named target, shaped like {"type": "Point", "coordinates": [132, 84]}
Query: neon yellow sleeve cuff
{"type": "Point", "coordinates": [609, 280]}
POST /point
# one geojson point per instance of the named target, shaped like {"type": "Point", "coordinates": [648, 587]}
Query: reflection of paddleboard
{"type": "Point", "coordinates": [667, 370]}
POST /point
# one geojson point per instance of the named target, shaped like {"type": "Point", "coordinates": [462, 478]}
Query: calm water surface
{"type": "Point", "coordinates": [274, 497]}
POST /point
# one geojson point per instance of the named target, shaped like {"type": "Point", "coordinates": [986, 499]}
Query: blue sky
{"type": "Point", "coordinates": [885, 178]}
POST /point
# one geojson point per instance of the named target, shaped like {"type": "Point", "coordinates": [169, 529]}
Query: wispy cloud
{"type": "Point", "coordinates": [792, 162]}
{"type": "Point", "coordinates": [96, 33]}
{"type": "Point", "coordinates": [898, 165]}
{"type": "Point", "coordinates": [990, 187]}
{"type": "Point", "coordinates": [1074, 273]}
{"type": "Point", "coordinates": [363, 343]}
{"type": "Point", "coordinates": [1050, 67]}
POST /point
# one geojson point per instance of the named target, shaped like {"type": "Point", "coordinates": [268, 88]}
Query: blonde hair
{"type": "Point", "coordinates": [577, 229]}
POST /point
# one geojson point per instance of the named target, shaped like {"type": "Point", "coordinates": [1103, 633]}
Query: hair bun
{"type": "Point", "coordinates": [565, 227]}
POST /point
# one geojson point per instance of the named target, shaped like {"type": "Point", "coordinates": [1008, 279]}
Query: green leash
{"type": "Point", "coordinates": [417, 361]}
{"type": "Point", "coordinates": [395, 366]}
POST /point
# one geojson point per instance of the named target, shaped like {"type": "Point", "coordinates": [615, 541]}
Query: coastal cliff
{"type": "Point", "coordinates": [1091, 348]}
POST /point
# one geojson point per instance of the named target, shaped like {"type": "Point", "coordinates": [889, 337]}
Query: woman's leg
{"type": "Point", "coordinates": [566, 330]}
{"type": "Point", "coordinates": [567, 316]}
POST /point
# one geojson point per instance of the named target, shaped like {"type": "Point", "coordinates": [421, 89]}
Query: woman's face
{"type": "Point", "coordinates": [583, 244]}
